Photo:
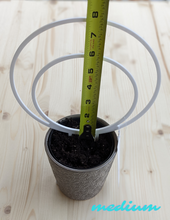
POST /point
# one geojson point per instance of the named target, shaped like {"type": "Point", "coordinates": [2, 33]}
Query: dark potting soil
{"type": "Point", "coordinates": [75, 153]}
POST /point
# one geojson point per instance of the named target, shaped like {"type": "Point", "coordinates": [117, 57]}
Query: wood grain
{"type": "Point", "coordinates": [27, 186]}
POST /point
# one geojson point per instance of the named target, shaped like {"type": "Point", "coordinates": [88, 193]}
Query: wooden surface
{"type": "Point", "coordinates": [27, 186]}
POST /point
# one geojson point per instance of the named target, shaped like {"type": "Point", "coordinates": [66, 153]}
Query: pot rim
{"type": "Point", "coordinates": [80, 170]}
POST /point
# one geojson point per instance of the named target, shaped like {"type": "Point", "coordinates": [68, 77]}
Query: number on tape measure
{"type": "Point", "coordinates": [86, 115]}
{"type": "Point", "coordinates": [90, 70]}
{"type": "Point", "coordinates": [92, 53]}
{"type": "Point", "coordinates": [88, 101]}
{"type": "Point", "coordinates": [89, 86]}
{"type": "Point", "coordinates": [95, 14]}
{"type": "Point", "coordinates": [92, 34]}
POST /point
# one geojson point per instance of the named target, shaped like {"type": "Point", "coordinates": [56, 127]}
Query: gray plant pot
{"type": "Point", "coordinates": [82, 184]}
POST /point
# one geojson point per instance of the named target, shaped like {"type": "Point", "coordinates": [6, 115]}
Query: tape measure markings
{"type": "Point", "coordinates": [94, 47]}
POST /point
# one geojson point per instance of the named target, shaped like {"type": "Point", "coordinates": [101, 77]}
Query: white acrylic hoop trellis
{"type": "Point", "coordinates": [59, 127]}
{"type": "Point", "coordinates": [76, 131]}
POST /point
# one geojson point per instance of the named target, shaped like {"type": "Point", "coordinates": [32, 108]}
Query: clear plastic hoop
{"type": "Point", "coordinates": [71, 20]}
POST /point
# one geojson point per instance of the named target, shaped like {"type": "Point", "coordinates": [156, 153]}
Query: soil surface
{"type": "Point", "coordinates": [75, 153]}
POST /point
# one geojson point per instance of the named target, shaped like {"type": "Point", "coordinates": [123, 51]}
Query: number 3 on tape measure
{"type": "Point", "coordinates": [88, 101]}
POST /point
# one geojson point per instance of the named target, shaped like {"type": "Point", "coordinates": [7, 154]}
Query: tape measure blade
{"type": "Point", "coordinates": [97, 12]}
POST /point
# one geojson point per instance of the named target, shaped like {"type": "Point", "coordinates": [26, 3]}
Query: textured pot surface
{"type": "Point", "coordinates": [81, 184]}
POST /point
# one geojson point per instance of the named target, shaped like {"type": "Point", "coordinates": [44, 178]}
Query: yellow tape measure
{"type": "Point", "coordinates": [97, 12]}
